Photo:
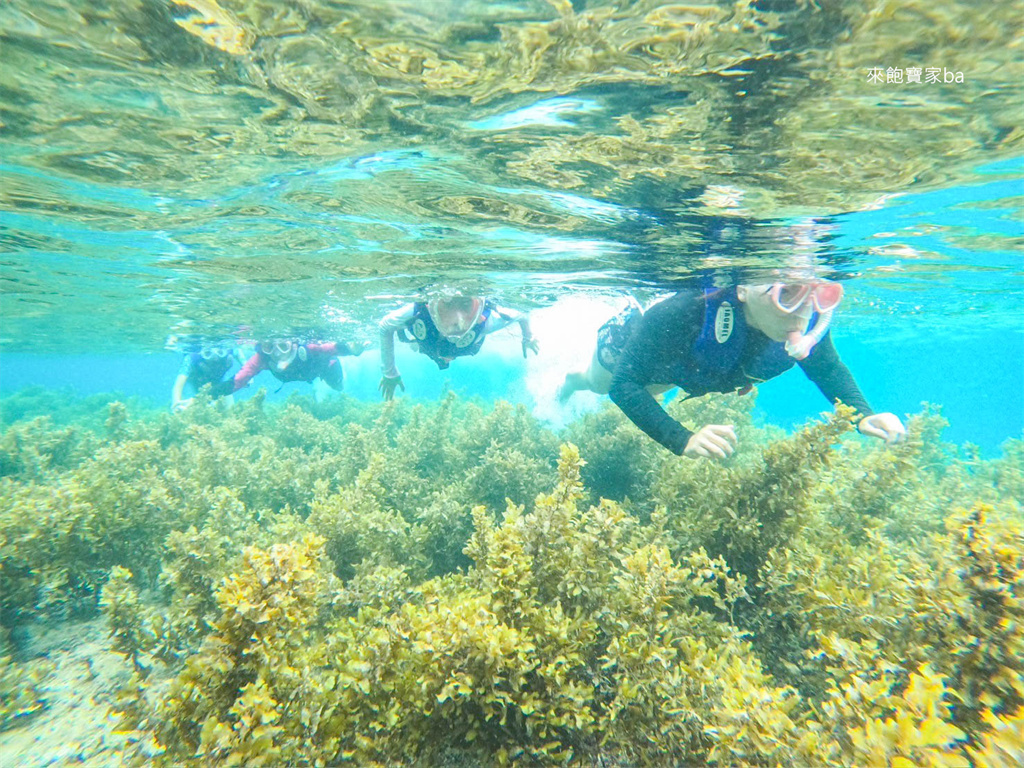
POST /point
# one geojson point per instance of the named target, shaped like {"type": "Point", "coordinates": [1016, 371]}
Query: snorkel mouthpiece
{"type": "Point", "coordinates": [799, 345]}
{"type": "Point", "coordinates": [282, 360]}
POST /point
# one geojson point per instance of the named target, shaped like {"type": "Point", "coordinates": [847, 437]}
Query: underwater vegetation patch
{"type": "Point", "coordinates": [397, 584]}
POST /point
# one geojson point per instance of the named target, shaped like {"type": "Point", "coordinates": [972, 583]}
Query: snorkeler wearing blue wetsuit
{"type": "Point", "coordinates": [209, 365]}
{"type": "Point", "coordinates": [729, 340]}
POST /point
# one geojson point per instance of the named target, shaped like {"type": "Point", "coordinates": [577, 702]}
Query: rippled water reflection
{"type": "Point", "coordinates": [199, 166]}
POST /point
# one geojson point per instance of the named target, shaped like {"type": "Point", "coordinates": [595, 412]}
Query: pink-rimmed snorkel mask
{"type": "Point", "coordinates": [820, 296]}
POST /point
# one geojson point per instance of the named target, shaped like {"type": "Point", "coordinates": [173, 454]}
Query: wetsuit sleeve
{"type": "Point", "coordinates": [832, 377]}
{"type": "Point", "coordinates": [500, 317]}
{"type": "Point", "coordinates": [332, 348]}
{"type": "Point", "coordinates": [664, 337]}
{"type": "Point", "coordinates": [252, 366]}
{"type": "Point", "coordinates": [392, 323]}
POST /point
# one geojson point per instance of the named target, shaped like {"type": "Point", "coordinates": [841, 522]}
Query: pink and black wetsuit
{"type": "Point", "coordinates": [321, 361]}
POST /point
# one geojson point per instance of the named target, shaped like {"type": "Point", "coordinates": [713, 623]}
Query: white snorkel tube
{"type": "Point", "coordinates": [799, 345]}
{"type": "Point", "coordinates": [806, 235]}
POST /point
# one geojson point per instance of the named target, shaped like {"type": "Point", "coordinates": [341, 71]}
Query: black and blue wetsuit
{"type": "Point", "coordinates": [412, 324]}
{"type": "Point", "coordinates": [435, 346]}
{"type": "Point", "coordinates": [199, 371]}
{"type": "Point", "coordinates": [671, 346]}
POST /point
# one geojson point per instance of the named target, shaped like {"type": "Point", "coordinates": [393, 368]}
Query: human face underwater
{"type": "Point", "coordinates": [782, 311]}
{"type": "Point", "coordinates": [454, 318]}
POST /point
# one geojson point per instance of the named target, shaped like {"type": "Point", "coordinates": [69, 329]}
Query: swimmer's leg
{"type": "Point", "coordinates": [596, 378]}
{"type": "Point", "coordinates": [574, 382]}
{"type": "Point", "coordinates": [334, 376]}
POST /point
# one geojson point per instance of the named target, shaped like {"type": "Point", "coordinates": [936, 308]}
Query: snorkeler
{"type": "Point", "coordinates": [291, 360]}
{"type": "Point", "coordinates": [443, 329]}
{"type": "Point", "coordinates": [726, 340]}
{"type": "Point", "coordinates": [208, 365]}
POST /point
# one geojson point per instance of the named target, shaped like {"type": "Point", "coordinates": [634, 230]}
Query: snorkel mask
{"type": "Point", "coordinates": [283, 352]}
{"type": "Point", "coordinates": [213, 353]}
{"type": "Point", "coordinates": [454, 317]}
{"type": "Point", "coordinates": [821, 297]}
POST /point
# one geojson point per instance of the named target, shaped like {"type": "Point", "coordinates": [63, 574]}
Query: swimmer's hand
{"type": "Point", "coordinates": [388, 384]}
{"type": "Point", "coordinates": [531, 345]}
{"type": "Point", "coordinates": [885, 426]}
{"type": "Point", "coordinates": [714, 441]}
{"type": "Point", "coordinates": [181, 405]}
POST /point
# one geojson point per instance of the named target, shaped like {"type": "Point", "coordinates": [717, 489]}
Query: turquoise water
{"type": "Point", "coordinates": [194, 171]}
{"type": "Point", "coordinates": [450, 580]}
{"type": "Point", "coordinates": [933, 310]}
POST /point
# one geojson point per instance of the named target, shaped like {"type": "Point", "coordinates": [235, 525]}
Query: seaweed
{"type": "Point", "coordinates": [397, 583]}
{"type": "Point", "coordinates": [21, 695]}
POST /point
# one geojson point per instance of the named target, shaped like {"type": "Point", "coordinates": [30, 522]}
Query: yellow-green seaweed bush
{"type": "Point", "coordinates": [1002, 745]}
{"type": "Point", "coordinates": [877, 719]}
{"type": "Point", "coordinates": [988, 667]}
{"type": "Point", "coordinates": [28, 451]}
{"type": "Point", "coordinates": [443, 527]}
{"type": "Point", "coordinates": [743, 509]}
{"type": "Point", "coordinates": [1007, 474]}
{"type": "Point", "coordinates": [570, 638]}
{"type": "Point", "coordinates": [622, 463]}
{"type": "Point", "coordinates": [794, 605]}
{"type": "Point", "coordinates": [58, 540]}
{"type": "Point", "coordinates": [358, 528]}
{"type": "Point", "coordinates": [251, 670]}
{"type": "Point", "coordinates": [77, 503]}
{"type": "Point", "coordinates": [953, 608]}
{"type": "Point", "coordinates": [908, 488]}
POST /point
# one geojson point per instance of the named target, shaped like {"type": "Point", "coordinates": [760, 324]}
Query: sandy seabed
{"type": "Point", "coordinates": [75, 727]}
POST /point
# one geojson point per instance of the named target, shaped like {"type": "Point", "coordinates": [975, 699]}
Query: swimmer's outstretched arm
{"type": "Point", "coordinates": [393, 322]}
{"type": "Point", "coordinates": [502, 317]}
